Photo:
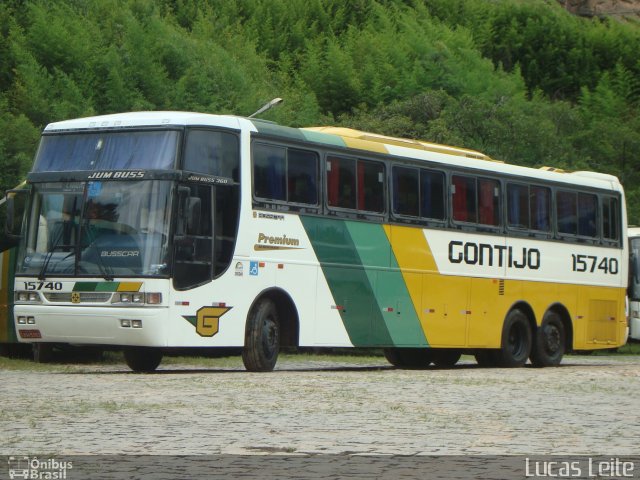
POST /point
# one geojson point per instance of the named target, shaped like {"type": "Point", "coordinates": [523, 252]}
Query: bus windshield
{"type": "Point", "coordinates": [98, 229]}
{"type": "Point", "coordinates": [107, 151]}
{"type": "Point", "coordinates": [634, 269]}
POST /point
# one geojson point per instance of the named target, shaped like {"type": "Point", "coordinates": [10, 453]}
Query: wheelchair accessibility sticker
{"type": "Point", "coordinates": [253, 268]}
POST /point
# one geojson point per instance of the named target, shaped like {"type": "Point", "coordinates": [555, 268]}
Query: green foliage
{"type": "Point", "coordinates": [522, 81]}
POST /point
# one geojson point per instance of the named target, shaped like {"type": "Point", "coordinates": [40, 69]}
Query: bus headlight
{"type": "Point", "coordinates": [27, 297]}
{"type": "Point", "coordinates": [138, 298]}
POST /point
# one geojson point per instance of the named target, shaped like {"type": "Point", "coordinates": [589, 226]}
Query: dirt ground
{"type": "Point", "coordinates": [312, 405]}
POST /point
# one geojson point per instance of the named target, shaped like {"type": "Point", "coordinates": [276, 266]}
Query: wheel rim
{"type": "Point", "coordinates": [269, 336]}
{"type": "Point", "coordinates": [516, 341]}
{"type": "Point", "coordinates": [552, 339]}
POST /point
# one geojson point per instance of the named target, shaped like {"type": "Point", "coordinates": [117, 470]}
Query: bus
{"type": "Point", "coordinates": [153, 231]}
{"type": "Point", "coordinates": [8, 339]}
{"type": "Point", "coordinates": [634, 284]}
{"type": "Point", "coordinates": [9, 344]}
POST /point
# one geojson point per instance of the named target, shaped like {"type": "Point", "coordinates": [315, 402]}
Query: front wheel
{"type": "Point", "coordinates": [262, 338]}
{"type": "Point", "coordinates": [516, 340]}
{"type": "Point", "coordinates": [142, 359]}
{"type": "Point", "coordinates": [549, 342]}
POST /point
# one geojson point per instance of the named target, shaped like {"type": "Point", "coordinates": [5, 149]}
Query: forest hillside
{"type": "Point", "coordinates": [526, 82]}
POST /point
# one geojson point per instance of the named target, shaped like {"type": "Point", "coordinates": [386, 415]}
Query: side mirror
{"type": "Point", "coordinates": [16, 206]}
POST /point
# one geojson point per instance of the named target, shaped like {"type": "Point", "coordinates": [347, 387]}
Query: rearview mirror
{"type": "Point", "coordinates": [16, 206]}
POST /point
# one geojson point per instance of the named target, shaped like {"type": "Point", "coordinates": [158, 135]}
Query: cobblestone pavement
{"type": "Point", "coordinates": [586, 406]}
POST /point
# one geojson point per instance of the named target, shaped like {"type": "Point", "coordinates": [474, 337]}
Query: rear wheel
{"type": "Point", "coordinates": [549, 342]}
{"type": "Point", "coordinates": [445, 358]}
{"type": "Point", "coordinates": [412, 358]}
{"type": "Point", "coordinates": [142, 359]}
{"type": "Point", "coordinates": [262, 338]}
{"type": "Point", "coordinates": [516, 340]}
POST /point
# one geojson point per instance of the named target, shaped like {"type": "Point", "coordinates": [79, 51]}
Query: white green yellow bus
{"type": "Point", "coordinates": [634, 284]}
{"type": "Point", "coordinates": [8, 338]}
{"type": "Point", "coordinates": [153, 231]}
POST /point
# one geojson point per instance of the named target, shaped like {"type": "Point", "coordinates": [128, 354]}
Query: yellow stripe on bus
{"type": "Point", "coordinates": [129, 286]}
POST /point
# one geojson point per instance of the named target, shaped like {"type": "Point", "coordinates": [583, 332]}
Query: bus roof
{"type": "Point", "coordinates": [339, 137]}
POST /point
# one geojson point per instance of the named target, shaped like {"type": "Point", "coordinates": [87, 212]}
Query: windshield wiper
{"type": "Point", "coordinates": [55, 246]}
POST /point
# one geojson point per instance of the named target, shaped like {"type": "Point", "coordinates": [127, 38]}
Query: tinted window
{"type": "Point", "coordinates": [587, 215]}
{"type": "Point", "coordinates": [540, 208]}
{"type": "Point", "coordinates": [269, 172]}
{"type": "Point", "coordinates": [107, 151]}
{"type": "Point", "coordinates": [285, 174]}
{"type": "Point", "coordinates": [567, 212]}
{"type": "Point", "coordinates": [464, 198]}
{"type": "Point", "coordinates": [418, 192]}
{"type": "Point", "coordinates": [212, 153]}
{"type": "Point", "coordinates": [610, 218]}
{"type": "Point", "coordinates": [406, 191]}
{"type": "Point", "coordinates": [370, 186]}
{"type": "Point", "coordinates": [432, 194]}
{"type": "Point", "coordinates": [488, 202]}
{"type": "Point", "coordinates": [302, 176]}
{"type": "Point", "coordinates": [528, 207]}
{"type": "Point", "coordinates": [355, 184]}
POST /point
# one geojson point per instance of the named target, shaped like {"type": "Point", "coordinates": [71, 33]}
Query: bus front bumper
{"type": "Point", "coordinates": [89, 325]}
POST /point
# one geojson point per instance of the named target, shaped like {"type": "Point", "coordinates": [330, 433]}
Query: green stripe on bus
{"type": "Point", "coordinates": [391, 293]}
{"type": "Point", "coordinates": [326, 138]}
{"type": "Point", "coordinates": [348, 281]}
{"type": "Point", "coordinates": [96, 286]}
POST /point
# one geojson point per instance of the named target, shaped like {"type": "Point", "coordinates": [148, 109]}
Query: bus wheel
{"type": "Point", "coordinates": [413, 358]}
{"type": "Point", "coordinates": [42, 352]}
{"type": "Point", "coordinates": [142, 359]}
{"type": "Point", "coordinates": [548, 342]}
{"type": "Point", "coordinates": [262, 338]}
{"type": "Point", "coordinates": [446, 357]}
{"type": "Point", "coordinates": [516, 340]}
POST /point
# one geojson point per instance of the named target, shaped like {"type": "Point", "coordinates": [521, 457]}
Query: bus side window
{"type": "Point", "coordinates": [540, 208]}
{"type": "Point", "coordinates": [406, 191]}
{"type": "Point", "coordinates": [370, 186]}
{"type": "Point", "coordinates": [567, 212]}
{"type": "Point", "coordinates": [610, 222]}
{"type": "Point", "coordinates": [464, 198]}
{"type": "Point", "coordinates": [587, 213]}
{"type": "Point", "coordinates": [517, 206]}
{"type": "Point", "coordinates": [431, 194]}
{"type": "Point", "coordinates": [488, 202]}
{"type": "Point", "coordinates": [341, 182]}
{"type": "Point", "coordinates": [269, 172]}
{"type": "Point", "coordinates": [302, 177]}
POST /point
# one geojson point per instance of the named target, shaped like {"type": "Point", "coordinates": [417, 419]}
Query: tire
{"type": "Point", "coordinates": [486, 358]}
{"type": "Point", "coordinates": [262, 338]}
{"type": "Point", "coordinates": [549, 342]}
{"type": "Point", "coordinates": [516, 340]}
{"type": "Point", "coordinates": [446, 357]}
{"type": "Point", "coordinates": [409, 358]}
{"type": "Point", "coordinates": [142, 359]}
{"type": "Point", "coordinates": [42, 352]}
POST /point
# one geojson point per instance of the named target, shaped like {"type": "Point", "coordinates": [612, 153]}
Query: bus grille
{"type": "Point", "coordinates": [85, 297]}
